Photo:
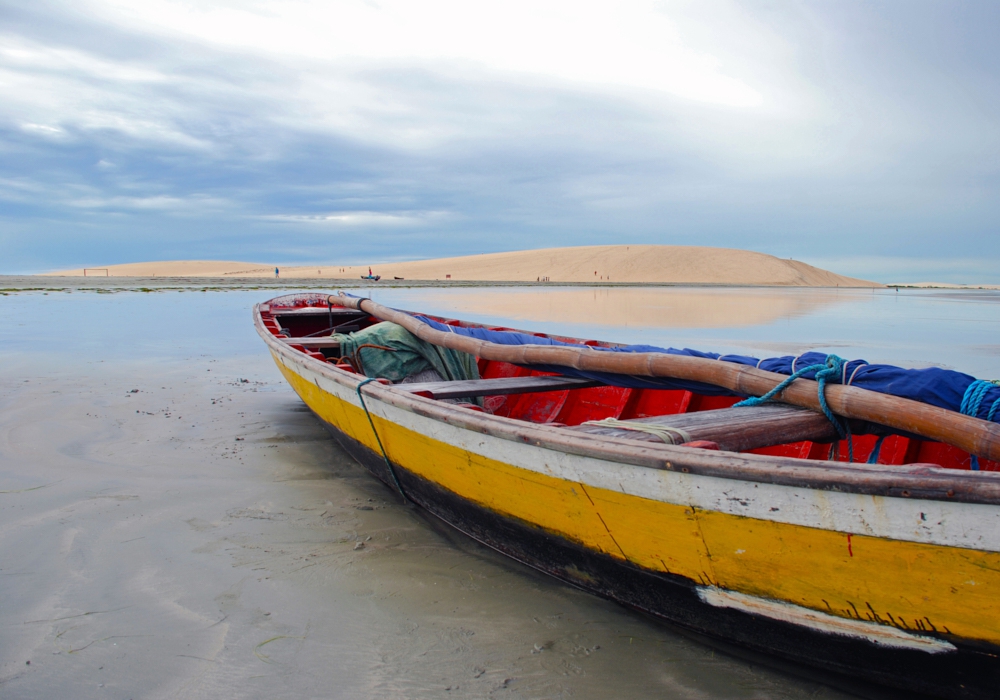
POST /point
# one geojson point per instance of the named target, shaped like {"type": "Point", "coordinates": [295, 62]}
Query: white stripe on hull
{"type": "Point", "coordinates": [953, 524]}
{"type": "Point", "coordinates": [883, 635]}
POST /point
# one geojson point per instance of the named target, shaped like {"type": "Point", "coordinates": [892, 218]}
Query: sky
{"type": "Point", "coordinates": [863, 137]}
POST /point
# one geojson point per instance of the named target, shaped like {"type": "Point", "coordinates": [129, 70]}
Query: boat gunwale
{"type": "Point", "coordinates": [912, 482]}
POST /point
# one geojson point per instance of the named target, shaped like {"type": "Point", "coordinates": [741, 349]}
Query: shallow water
{"type": "Point", "coordinates": [174, 523]}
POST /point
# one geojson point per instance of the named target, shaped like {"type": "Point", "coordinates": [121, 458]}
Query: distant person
{"type": "Point", "coordinates": [276, 273]}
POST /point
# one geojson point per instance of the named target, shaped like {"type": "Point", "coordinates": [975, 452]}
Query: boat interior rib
{"type": "Point", "coordinates": [648, 415]}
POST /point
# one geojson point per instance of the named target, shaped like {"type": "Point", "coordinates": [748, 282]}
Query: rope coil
{"type": "Point", "coordinates": [830, 371]}
{"type": "Point", "coordinates": [671, 436]}
{"type": "Point", "coordinates": [972, 401]}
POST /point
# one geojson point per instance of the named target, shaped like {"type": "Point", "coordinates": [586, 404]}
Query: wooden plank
{"type": "Point", "coordinates": [733, 429]}
{"type": "Point", "coordinates": [318, 311]}
{"type": "Point", "coordinates": [311, 342]}
{"type": "Point", "coordinates": [495, 387]}
{"type": "Point", "coordinates": [349, 326]}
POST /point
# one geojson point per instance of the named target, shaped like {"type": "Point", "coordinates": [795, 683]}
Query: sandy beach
{"type": "Point", "coordinates": [634, 264]}
{"type": "Point", "coordinates": [177, 525]}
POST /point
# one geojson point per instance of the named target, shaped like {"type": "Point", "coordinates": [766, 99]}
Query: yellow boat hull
{"type": "Point", "coordinates": [900, 590]}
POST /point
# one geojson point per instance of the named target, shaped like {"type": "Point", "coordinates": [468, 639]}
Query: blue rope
{"type": "Point", "coordinates": [974, 395]}
{"type": "Point", "coordinates": [831, 370]}
{"type": "Point", "coordinates": [993, 410]}
{"type": "Point", "coordinates": [388, 464]}
{"type": "Point", "coordinates": [972, 401]}
{"type": "Point", "coordinates": [873, 457]}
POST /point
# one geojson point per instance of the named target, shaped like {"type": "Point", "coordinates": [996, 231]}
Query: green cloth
{"type": "Point", "coordinates": [409, 355]}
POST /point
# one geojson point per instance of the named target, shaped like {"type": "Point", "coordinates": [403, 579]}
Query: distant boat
{"type": "Point", "coordinates": [372, 277]}
{"type": "Point", "coordinates": [742, 524]}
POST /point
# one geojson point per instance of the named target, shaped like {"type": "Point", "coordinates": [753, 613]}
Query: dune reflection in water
{"type": "Point", "coordinates": [658, 307]}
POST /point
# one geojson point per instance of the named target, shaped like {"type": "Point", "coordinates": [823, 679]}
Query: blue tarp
{"type": "Point", "coordinates": [937, 387]}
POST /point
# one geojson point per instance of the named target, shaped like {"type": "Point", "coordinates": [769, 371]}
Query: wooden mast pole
{"type": "Point", "coordinates": [975, 436]}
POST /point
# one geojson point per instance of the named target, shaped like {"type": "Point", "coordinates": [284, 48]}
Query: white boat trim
{"type": "Point", "coordinates": [882, 634]}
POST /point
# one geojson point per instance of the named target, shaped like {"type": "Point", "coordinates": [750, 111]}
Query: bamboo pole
{"type": "Point", "coordinates": [975, 436]}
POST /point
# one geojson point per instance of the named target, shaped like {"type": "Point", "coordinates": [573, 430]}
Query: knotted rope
{"type": "Point", "coordinates": [671, 436]}
{"type": "Point", "coordinates": [972, 401]}
{"type": "Point", "coordinates": [830, 371]}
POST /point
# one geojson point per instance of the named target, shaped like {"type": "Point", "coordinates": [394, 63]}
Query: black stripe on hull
{"type": "Point", "coordinates": [970, 673]}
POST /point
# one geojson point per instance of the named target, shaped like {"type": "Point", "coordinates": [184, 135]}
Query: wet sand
{"type": "Point", "coordinates": [175, 524]}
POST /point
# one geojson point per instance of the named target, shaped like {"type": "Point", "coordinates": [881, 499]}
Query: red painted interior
{"type": "Point", "coordinates": [579, 405]}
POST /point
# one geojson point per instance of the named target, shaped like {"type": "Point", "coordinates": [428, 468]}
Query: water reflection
{"type": "Point", "coordinates": [669, 307]}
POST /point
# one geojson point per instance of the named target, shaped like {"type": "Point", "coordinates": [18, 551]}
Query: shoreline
{"type": "Point", "coordinates": [50, 283]}
{"type": "Point", "coordinates": [942, 285]}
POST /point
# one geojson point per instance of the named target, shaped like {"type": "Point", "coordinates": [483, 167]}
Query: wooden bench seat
{"type": "Point", "coordinates": [312, 342]}
{"type": "Point", "coordinates": [733, 429]}
{"type": "Point", "coordinates": [336, 311]}
{"type": "Point", "coordinates": [494, 387]}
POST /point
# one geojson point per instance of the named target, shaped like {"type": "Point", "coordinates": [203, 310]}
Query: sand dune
{"type": "Point", "coordinates": [654, 264]}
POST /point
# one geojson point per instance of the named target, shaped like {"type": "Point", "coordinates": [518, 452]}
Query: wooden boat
{"type": "Point", "coordinates": [888, 572]}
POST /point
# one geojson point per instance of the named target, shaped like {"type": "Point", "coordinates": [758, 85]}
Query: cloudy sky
{"type": "Point", "coordinates": [859, 136]}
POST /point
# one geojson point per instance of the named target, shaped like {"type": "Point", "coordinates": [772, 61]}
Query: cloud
{"type": "Point", "coordinates": [628, 43]}
{"type": "Point", "coordinates": [43, 129]}
{"type": "Point", "coordinates": [448, 128]}
{"type": "Point", "coordinates": [187, 206]}
{"type": "Point", "coordinates": [351, 218]}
